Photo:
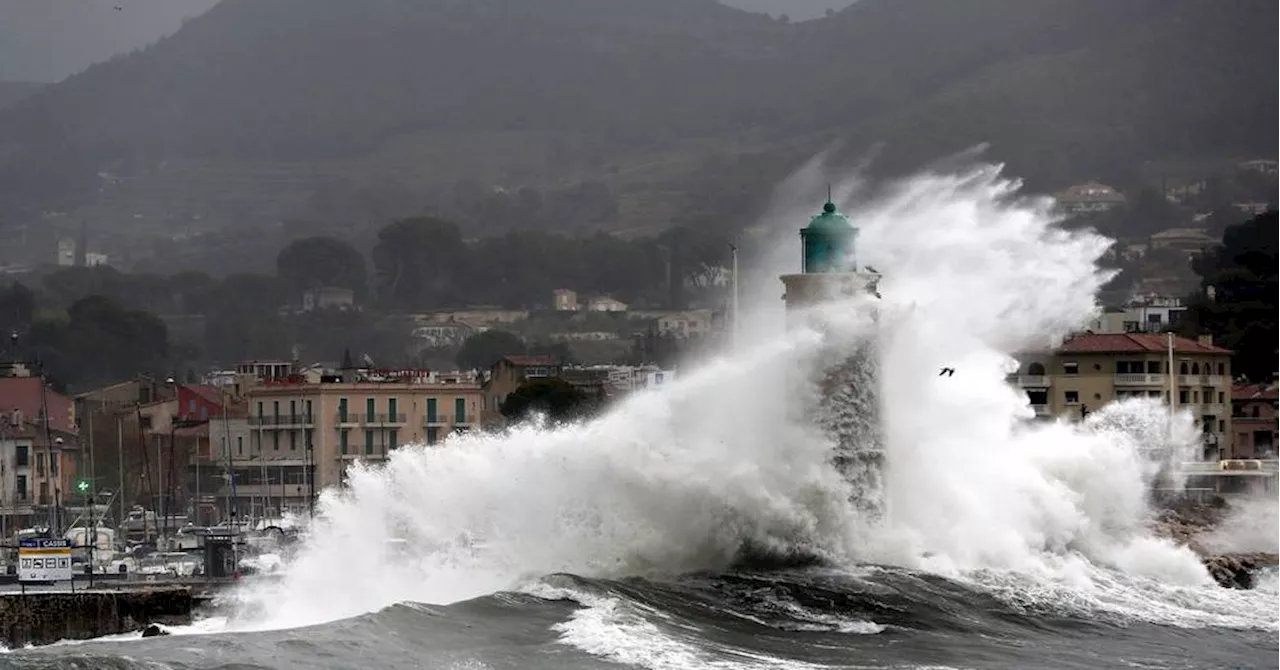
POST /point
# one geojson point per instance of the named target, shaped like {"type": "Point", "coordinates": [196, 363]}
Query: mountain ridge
{"type": "Point", "coordinates": [1060, 88]}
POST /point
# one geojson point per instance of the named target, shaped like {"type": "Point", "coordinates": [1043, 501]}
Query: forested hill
{"type": "Point", "coordinates": [13, 91]}
{"type": "Point", "coordinates": [634, 93]}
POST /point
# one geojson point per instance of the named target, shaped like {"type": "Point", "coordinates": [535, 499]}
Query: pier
{"type": "Point", "coordinates": [46, 616]}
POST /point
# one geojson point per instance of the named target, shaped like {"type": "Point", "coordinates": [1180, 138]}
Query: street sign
{"type": "Point", "coordinates": [44, 560]}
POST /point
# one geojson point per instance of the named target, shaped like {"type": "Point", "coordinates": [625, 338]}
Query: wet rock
{"type": "Point", "coordinates": [1236, 571]}
{"type": "Point", "coordinates": [154, 631]}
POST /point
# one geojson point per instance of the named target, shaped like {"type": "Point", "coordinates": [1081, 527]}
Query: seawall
{"type": "Point", "coordinates": [45, 617]}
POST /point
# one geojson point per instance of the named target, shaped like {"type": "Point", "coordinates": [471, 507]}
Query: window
{"type": "Point", "coordinates": [275, 410]}
{"type": "Point", "coordinates": [39, 464]}
{"type": "Point", "coordinates": [1222, 425]}
{"type": "Point", "coordinates": [1071, 368]}
{"type": "Point", "coordinates": [433, 435]}
{"type": "Point", "coordinates": [342, 410]}
{"type": "Point", "coordinates": [370, 408]}
{"type": "Point", "coordinates": [44, 493]}
{"type": "Point", "coordinates": [293, 410]}
{"type": "Point", "coordinates": [1182, 369]}
{"type": "Point", "coordinates": [191, 406]}
{"type": "Point", "coordinates": [1072, 397]}
{"type": "Point", "coordinates": [1222, 369]}
{"type": "Point", "coordinates": [1130, 367]}
{"type": "Point", "coordinates": [53, 464]}
{"type": "Point", "coordinates": [240, 445]}
{"type": "Point", "coordinates": [368, 441]}
{"type": "Point", "coordinates": [393, 439]}
{"type": "Point", "coordinates": [344, 441]}
{"type": "Point", "coordinates": [293, 440]}
{"type": "Point", "coordinates": [22, 487]}
{"type": "Point", "coordinates": [1222, 397]}
{"type": "Point", "coordinates": [1184, 396]}
{"type": "Point", "coordinates": [275, 440]}
{"type": "Point", "coordinates": [460, 410]}
{"type": "Point", "coordinates": [1035, 370]}
{"type": "Point", "coordinates": [1195, 368]}
{"type": "Point", "coordinates": [1038, 397]}
{"type": "Point", "coordinates": [431, 410]}
{"type": "Point", "coordinates": [1153, 367]}
{"type": "Point", "coordinates": [21, 455]}
{"type": "Point", "coordinates": [308, 411]}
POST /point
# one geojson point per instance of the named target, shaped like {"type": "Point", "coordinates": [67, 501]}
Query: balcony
{"type": "Point", "coordinates": [1195, 380]}
{"type": "Point", "coordinates": [384, 419]}
{"type": "Point", "coordinates": [281, 421]}
{"type": "Point", "coordinates": [437, 420]}
{"type": "Point", "coordinates": [1128, 380]}
{"type": "Point", "coordinates": [1033, 381]}
{"type": "Point", "coordinates": [349, 419]}
{"type": "Point", "coordinates": [1042, 411]}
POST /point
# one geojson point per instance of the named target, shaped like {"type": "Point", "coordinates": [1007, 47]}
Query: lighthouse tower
{"type": "Point", "coordinates": [848, 373]}
{"type": "Point", "coordinates": [829, 269]}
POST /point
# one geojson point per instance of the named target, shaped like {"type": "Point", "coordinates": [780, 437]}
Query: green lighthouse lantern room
{"type": "Point", "coordinates": [828, 242]}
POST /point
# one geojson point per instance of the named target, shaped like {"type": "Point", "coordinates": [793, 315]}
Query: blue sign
{"type": "Point", "coordinates": [44, 543]}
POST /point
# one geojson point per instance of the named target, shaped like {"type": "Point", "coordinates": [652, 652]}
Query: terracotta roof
{"type": "Point", "coordinates": [1099, 343]}
{"type": "Point", "coordinates": [525, 361]}
{"type": "Point", "coordinates": [1254, 392]}
{"type": "Point", "coordinates": [209, 392]}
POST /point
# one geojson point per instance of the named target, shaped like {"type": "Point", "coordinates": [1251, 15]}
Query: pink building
{"type": "Point", "coordinates": [1253, 409]}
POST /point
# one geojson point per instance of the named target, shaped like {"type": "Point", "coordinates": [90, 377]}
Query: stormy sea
{"type": "Point", "coordinates": [705, 525]}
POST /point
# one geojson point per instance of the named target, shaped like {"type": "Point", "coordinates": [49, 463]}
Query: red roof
{"type": "Point", "coordinates": [1098, 343]}
{"type": "Point", "coordinates": [525, 361]}
{"type": "Point", "coordinates": [1253, 392]}
{"type": "Point", "coordinates": [211, 394]}
{"type": "Point", "coordinates": [23, 394]}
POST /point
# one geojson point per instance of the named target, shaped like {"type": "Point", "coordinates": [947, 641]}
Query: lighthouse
{"type": "Point", "coordinates": [847, 375]}
{"type": "Point", "coordinates": [829, 263]}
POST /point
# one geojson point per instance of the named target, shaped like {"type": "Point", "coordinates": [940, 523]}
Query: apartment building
{"type": "Point", "coordinates": [1253, 418]}
{"type": "Point", "coordinates": [300, 437]}
{"type": "Point", "coordinates": [1090, 370]}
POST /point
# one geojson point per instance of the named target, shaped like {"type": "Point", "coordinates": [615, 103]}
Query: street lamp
{"type": "Point", "coordinates": [85, 488]}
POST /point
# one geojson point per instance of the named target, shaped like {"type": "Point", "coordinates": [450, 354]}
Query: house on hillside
{"type": "Point", "coordinates": [1189, 240]}
{"type": "Point", "coordinates": [1089, 198]}
{"type": "Point", "coordinates": [1253, 418]}
{"type": "Point", "coordinates": [1260, 165]}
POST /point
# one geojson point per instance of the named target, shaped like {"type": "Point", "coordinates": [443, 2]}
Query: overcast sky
{"type": "Point", "coordinates": [47, 40]}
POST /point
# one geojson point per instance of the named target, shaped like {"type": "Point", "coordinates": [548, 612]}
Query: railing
{"type": "Point", "coordinates": [1041, 410]}
{"type": "Point", "coordinates": [383, 418]}
{"type": "Point", "coordinates": [1033, 381]}
{"type": "Point", "coordinates": [282, 420]}
{"type": "Point", "coordinates": [349, 418]}
{"type": "Point", "coordinates": [1194, 380]}
{"type": "Point", "coordinates": [437, 420]}
{"type": "Point", "coordinates": [1139, 379]}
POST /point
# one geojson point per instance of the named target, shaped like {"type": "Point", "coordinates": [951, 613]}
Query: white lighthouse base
{"type": "Point", "coordinates": [847, 375]}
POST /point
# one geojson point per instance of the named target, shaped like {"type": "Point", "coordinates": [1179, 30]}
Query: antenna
{"type": "Point", "coordinates": [828, 191]}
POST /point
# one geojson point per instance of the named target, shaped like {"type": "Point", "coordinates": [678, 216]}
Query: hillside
{"type": "Point", "coordinates": [13, 91]}
{"type": "Point", "coordinates": [330, 111]}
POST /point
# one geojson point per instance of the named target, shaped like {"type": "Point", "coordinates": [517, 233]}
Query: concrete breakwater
{"type": "Point", "coordinates": [45, 617]}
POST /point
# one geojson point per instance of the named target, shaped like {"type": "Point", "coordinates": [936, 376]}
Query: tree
{"type": "Point", "coordinates": [482, 350]}
{"type": "Point", "coordinates": [418, 262]}
{"type": "Point", "coordinates": [556, 398]}
{"type": "Point", "coordinates": [100, 341]}
{"type": "Point", "coordinates": [313, 262]}
{"type": "Point", "coordinates": [1237, 302]}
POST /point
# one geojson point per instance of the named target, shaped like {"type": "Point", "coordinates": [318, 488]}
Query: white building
{"type": "Point", "coordinates": [1143, 314]}
{"type": "Point", "coordinates": [606, 304]}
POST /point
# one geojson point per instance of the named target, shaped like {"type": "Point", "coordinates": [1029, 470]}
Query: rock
{"type": "Point", "coordinates": [1235, 571]}
{"type": "Point", "coordinates": [154, 631]}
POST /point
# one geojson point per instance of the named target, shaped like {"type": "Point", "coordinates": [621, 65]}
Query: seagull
{"type": "Point", "coordinates": [947, 371]}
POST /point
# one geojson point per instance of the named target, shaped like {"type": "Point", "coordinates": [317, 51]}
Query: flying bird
{"type": "Point", "coordinates": [947, 371]}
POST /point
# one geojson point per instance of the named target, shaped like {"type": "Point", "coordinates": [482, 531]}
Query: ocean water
{"type": "Point", "coordinates": [704, 525]}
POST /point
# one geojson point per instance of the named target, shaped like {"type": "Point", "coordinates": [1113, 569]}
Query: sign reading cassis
{"type": "Point", "coordinates": [44, 560]}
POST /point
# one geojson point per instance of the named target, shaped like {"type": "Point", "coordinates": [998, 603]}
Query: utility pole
{"type": "Point", "coordinates": [733, 250]}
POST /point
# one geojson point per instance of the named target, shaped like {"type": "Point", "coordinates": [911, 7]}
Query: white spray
{"type": "Point", "coordinates": [681, 478]}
